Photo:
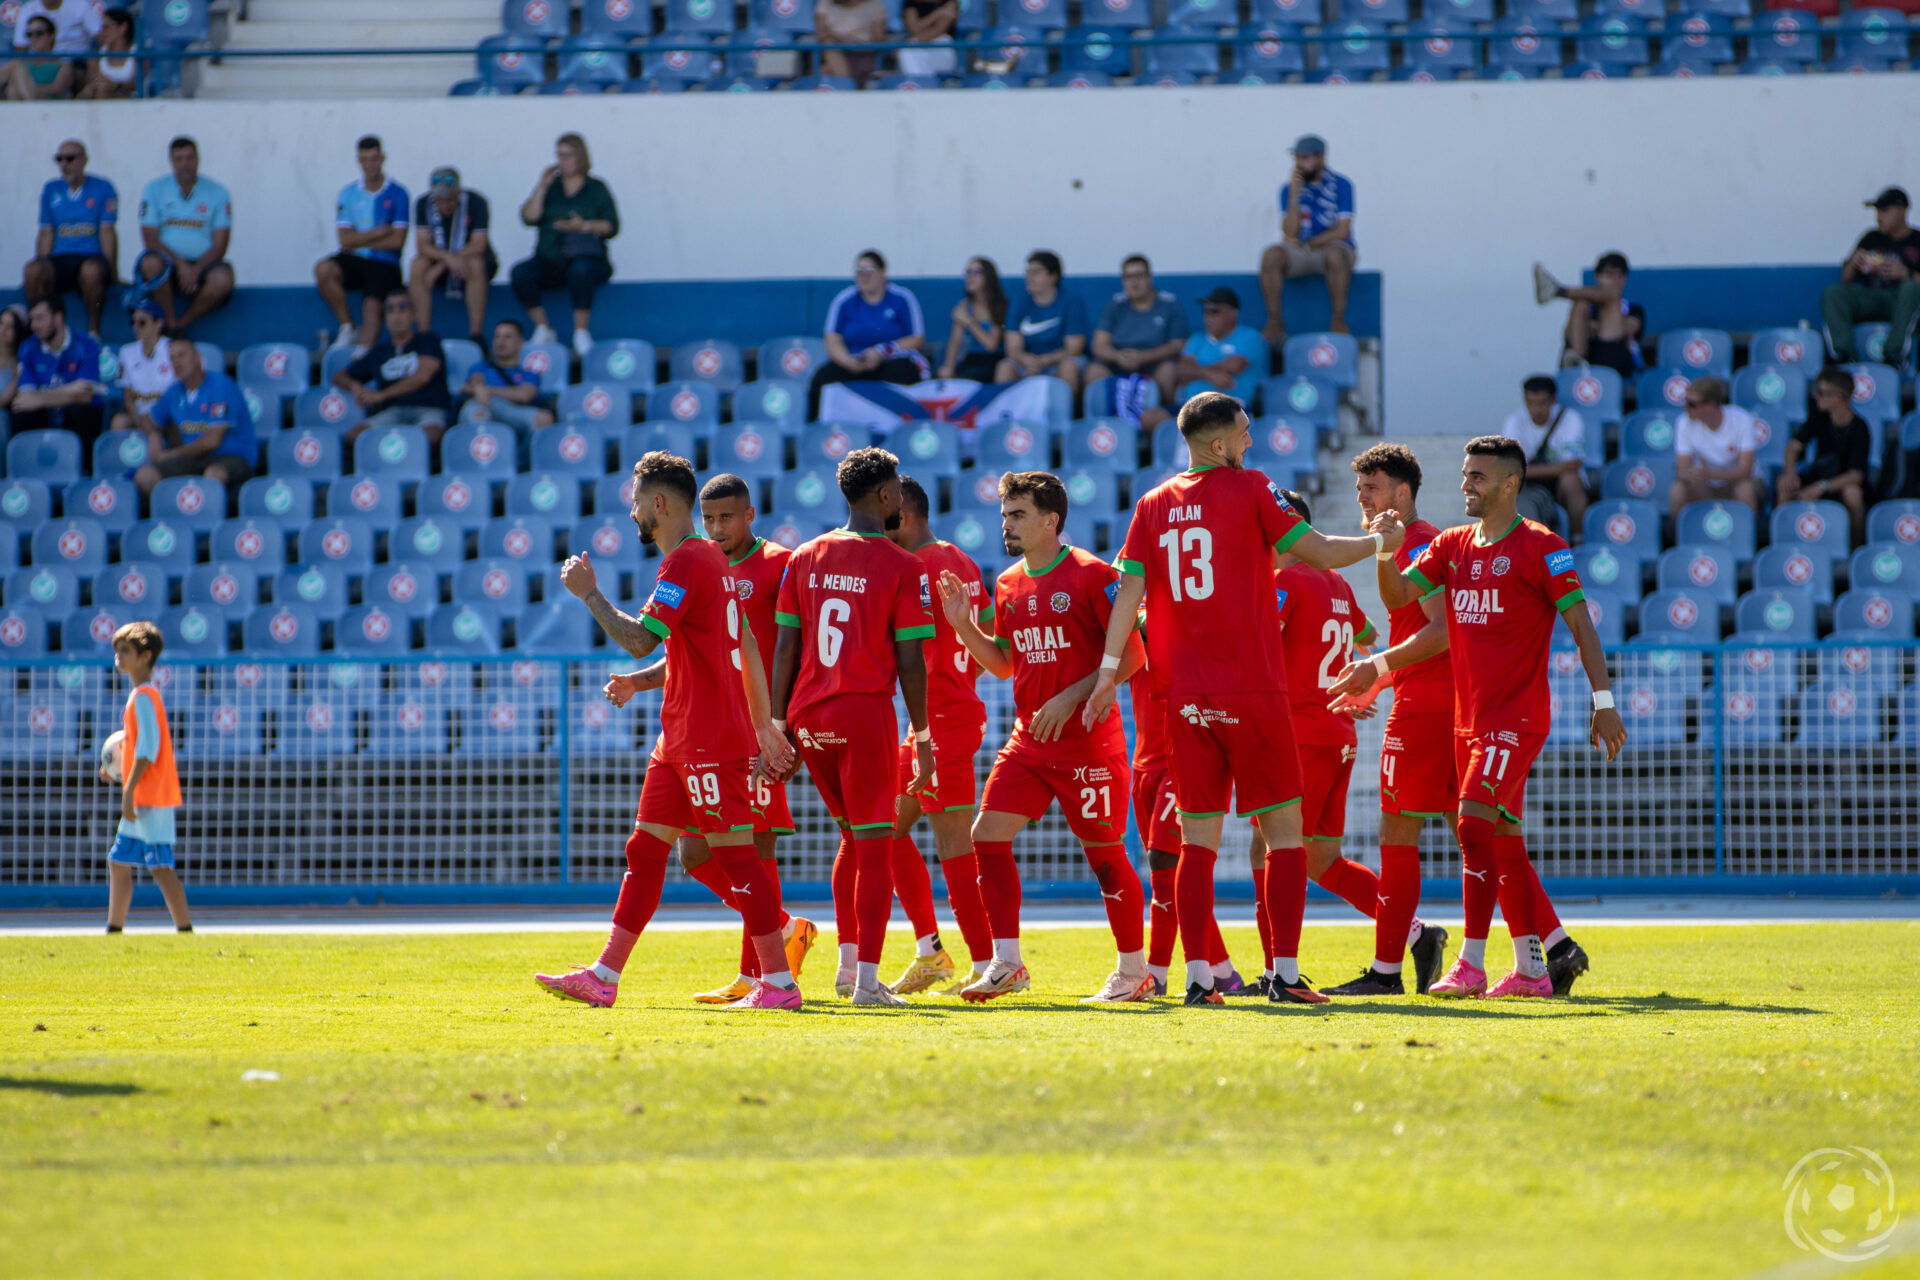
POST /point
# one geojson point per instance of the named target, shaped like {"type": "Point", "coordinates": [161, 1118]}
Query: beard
{"type": "Point", "coordinates": [1012, 544]}
{"type": "Point", "coordinates": [891, 523]}
{"type": "Point", "coordinates": [646, 530]}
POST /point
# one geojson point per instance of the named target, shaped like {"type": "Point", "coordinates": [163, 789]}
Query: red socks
{"type": "Point", "coordinates": [962, 875]}
{"type": "Point", "coordinates": [1513, 849]}
{"type": "Point", "coordinates": [1286, 899]}
{"type": "Point", "coordinates": [1479, 875]}
{"type": "Point", "coordinates": [639, 897]}
{"type": "Point", "coordinates": [1164, 925]}
{"type": "Point", "coordinates": [999, 886]}
{"type": "Point", "coordinates": [913, 886]}
{"type": "Point", "coordinates": [1347, 879]}
{"type": "Point", "coordinates": [1193, 898]}
{"type": "Point", "coordinates": [873, 892]}
{"type": "Point", "coordinates": [1517, 885]}
{"type": "Point", "coordinates": [755, 892]}
{"type": "Point", "coordinates": [750, 954]}
{"type": "Point", "coordinates": [1260, 917]}
{"type": "Point", "coordinates": [1119, 894]}
{"type": "Point", "coordinates": [1399, 899]}
{"type": "Point", "coordinates": [845, 875]}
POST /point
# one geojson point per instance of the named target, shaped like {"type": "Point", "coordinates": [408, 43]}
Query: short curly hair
{"type": "Point", "coordinates": [669, 471]}
{"type": "Point", "coordinates": [864, 470]}
{"type": "Point", "coordinates": [1395, 461]}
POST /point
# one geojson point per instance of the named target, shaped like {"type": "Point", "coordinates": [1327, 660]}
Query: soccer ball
{"type": "Point", "coordinates": [110, 753]}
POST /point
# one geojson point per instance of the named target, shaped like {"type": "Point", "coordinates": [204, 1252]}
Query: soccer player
{"type": "Point", "coordinates": [1490, 591]}
{"type": "Point", "coordinates": [715, 713]}
{"type": "Point", "coordinates": [1050, 613]}
{"type": "Point", "coordinates": [1200, 553]}
{"type": "Point", "coordinates": [854, 609]}
{"type": "Point", "coordinates": [149, 787]}
{"type": "Point", "coordinates": [959, 722]}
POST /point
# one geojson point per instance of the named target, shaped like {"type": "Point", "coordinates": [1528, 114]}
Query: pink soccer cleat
{"type": "Point", "coordinates": [1462, 980]}
{"type": "Point", "coordinates": [1515, 985]}
{"type": "Point", "coordinates": [765, 996]}
{"type": "Point", "coordinates": [581, 985]}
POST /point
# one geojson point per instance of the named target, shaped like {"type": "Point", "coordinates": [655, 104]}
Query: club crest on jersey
{"type": "Point", "coordinates": [669, 594]}
{"type": "Point", "coordinates": [1500, 565]}
{"type": "Point", "coordinates": [743, 588]}
{"type": "Point", "coordinates": [1559, 562]}
{"type": "Point", "coordinates": [1060, 602]}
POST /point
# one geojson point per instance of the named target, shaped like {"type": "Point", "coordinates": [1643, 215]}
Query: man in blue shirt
{"type": "Point", "coordinates": [1316, 237]}
{"type": "Point", "coordinates": [60, 383]}
{"type": "Point", "coordinates": [203, 424]}
{"type": "Point", "coordinates": [371, 222]}
{"type": "Point", "coordinates": [499, 390]}
{"type": "Point", "coordinates": [78, 248]}
{"type": "Point", "coordinates": [1140, 335]}
{"type": "Point", "coordinates": [402, 380]}
{"type": "Point", "coordinates": [1047, 329]}
{"type": "Point", "coordinates": [186, 221]}
{"type": "Point", "coordinates": [874, 333]}
{"type": "Point", "coordinates": [1225, 355]}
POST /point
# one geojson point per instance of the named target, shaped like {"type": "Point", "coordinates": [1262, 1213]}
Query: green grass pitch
{"type": "Point", "coordinates": [437, 1115]}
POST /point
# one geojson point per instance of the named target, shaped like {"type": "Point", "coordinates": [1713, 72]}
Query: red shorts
{"type": "Point", "coordinates": [1419, 776]}
{"type": "Point", "coordinates": [845, 742]}
{"type": "Point", "coordinates": [1091, 784]}
{"type": "Point", "coordinates": [706, 799]}
{"type": "Point", "coordinates": [955, 785]}
{"type": "Point", "coordinates": [775, 817]}
{"type": "Point", "coordinates": [1494, 768]}
{"type": "Point", "coordinates": [1324, 773]}
{"type": "Point", "coordinates": [1232, 746]}
{"type": "Point", "coordinates": [1154, 815]}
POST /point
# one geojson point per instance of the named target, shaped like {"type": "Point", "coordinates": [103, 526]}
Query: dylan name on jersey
{"type": "Point", "coordinates": [1472, 607]}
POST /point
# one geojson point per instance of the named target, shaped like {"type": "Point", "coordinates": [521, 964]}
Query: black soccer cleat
{"type": "Point", "coordinates": [1565, 963]}
{"type": "Point", "coordinates": [1371, 983]}
{"type": "Point", "coordinates": [1301, 992]}
{"type": "Point", "coordinates": [1197, 994]}
{"type": "Point", "coordinates": [1429, 954]}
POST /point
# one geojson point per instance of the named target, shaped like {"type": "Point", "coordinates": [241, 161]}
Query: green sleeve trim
{"type": "Point", "coordinates": [1419, 580]}
{"type": "Point", "coordinates": [1003, 642]}
{"type": "Point", "coordinates": [986, 613]}
{"type": "Point", "coordinates": [786, 620]}
{"type": "Point", "coordinates": [1367, 636]}
{"type": "Point", "coordinates": [1569, 600]}
{"type": "Point", "coordinates": [1292, 536]}
{"type": "Point", "coordinates": [656, 626]}
{"type": "Point", "coordinates": [914, 633]}
{"type": "Point", "coordinates": [1133, 567]}
{"type": "Point", "coordinates": [1431, 594]}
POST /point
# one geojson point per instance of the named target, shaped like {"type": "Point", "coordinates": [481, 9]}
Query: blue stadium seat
{"type": "Point", "coordinates": [1698, 352]}
{"type": "Point", "coordinates": [463, 356]}
{"type": "Point", "coordinates": [320, 587]}
{"type": "Point", "coordinates": [1876, 393]}
{"type": "Point", "coordinates": [111, 500]}
{"type": "Point", "coordinates": [1298, 395]}
{"type": "Point", "coordinates": [374, 498]}
{"type": "Point", "coordinates": [613, 495]}
{"type": "Point", "coordinates": [791, 17]}
{"type": "Point", "coordinates": [89, 631]}
{"type": "Point", "coordinates": [1090, 53]}
{"type": "Point", "coordinates": [972, 530]}
{"type": "Point", "coordinates": [1513, 74]}
{"type": "Point", "coordinates": [508, 64]}
{"type": "Point", "coordinates": [193, 502]}
{"type": "Point", "coordinates": [1871, 341]}
{"type": "Point", "coordinates": [281, 366]}
{"type": "Point", "coordinates": [1725, 524]}
{"type": "Point", "coordinates": [699, 17]}
{"type": "Point", "coordinates": [374, 629]}
{"type": "Point", "coordinates": [1885, 566]}
{"type": "Point", "coordinates": [407, 587]}
{"type": "Point", "coordinates": [464, 627]}
{"type": "Point", "coordinates": [400, 452]}
{"type": "Point", "coordinates": [25, 507]}
{"type": "Point", "coordinates": [1647, 433]}
{"type": "Point", "coordinates": [1629, 526]}
{"type": "Point", "coordinates": [1785, 613]}
{"type": "Point", "coordinates": [591, 61]}
{"type": "Point", "coordinates": [1290, 12]}
{"type": "Point", "coordinates": [498, 723]}
{"type": "Point", "coordinates": [1145, 480]}
{"type": "Point", "coordinates": [288, 629]}
{"type": "Point", "coordinates": [622, 18]}
{"type": "Point", "coordinates": [332, 361]}
{"type": "Point", "coordinates": [611, 537]}
{"type": "Point", "coordinates": [1014, 446]}
{"type": "Point", "coordinates": [979, 490]}
{"type": "Point", "coordinates": [779, 401]}
{"type": "Point", "coordinates": [1580, 69]}
{"type": "Point", "coordinates": [192, 631]}
{"type": "Point", "coordinates": [40, 726]}
{"type": "Point", "coordinates": [1689, 615]}
{"type": "Point", "coordinates": [1811, 524]}
{"type": "Point", "coordinates": [231, 589]}
{"type": "Point", "coordinates": [927, 450]}
{"type": "Point", "coordinates": [710, 360]}
{"type": "Point", "coordinates": [1272, 50]}
{"type": "Point", "coordinates": [1526, 41]}
{"type": "Point", "coordinates": [1705, 38]}
{"type": "Point", "coordinates": [553, 498]}
{"type": "Point", "coordinates": [1777, 389]}
{"type": "Point", "coordinates": [479, 449]}
{"type": "Point", "coordinates": [51, 456]}
{"type": "Point", "coordinates": [1705, 569]}
{"type": "Point", "coordinates": [259, 541]}
{"type": "Point", "coordinates": [1609, 615]}
{"type": "Point", "coordinates": [1683, 670]}
{"type": "Point", "coordinates": [809, 493]}
{"type": "Point", "coordinates": [119, 453]}
{"type": "Point", "coordinates": [502, 583]}
{"type": "Point", "coordinates": [460, 505]}
{"type": "Point", "coordinates": [277, 498]}
{"type": "Point", "coordinates": [595, 727]}
{"type": "Point", "coordinates": [1593, 390]}
{"type": "Point", "coordinates": [78, 542]}
{"type": "Point", "coordinates": [175, 25]}
{"type": "Point", "coordinates": [604, 404]}
{"type": "Point", "coordinates": [576, 449]}
{"type": "Point", "coordinates": [1882, 41]}
{"type": "Point", "coordinates": [1441, 43]}
{"type": "Point", "coordinates": [824, 84]}
{"type": "Point", "coordinates": [752, 450]}
{"type": "Point", "coordinates": [161, 542]}
{"type": "Point", "coordinates": [311, 453]}
{"type": "Point", "coordinates": [824, 444]}
{"type": "Point", "coordinates": [1872, 610]}
{"type": "Point", "coordinates": [1790, 566]}
{"type": "Point", "coordinates": [1651, 704]}
{"type": "Point", "coordinates": [413, 722]}
{"type": "Point", "coordinates": [1666, 386]}
{"type": "Point", "coordinates": [675, 438]}
{"type": "Point", "coordinates": [1800, 349]}
{"type": "Point", "coordinates": [1417, 73]}
{"type": "Point", "coordinates": [1094, 490]}
{"type": "Point", "coordinates": [1895, 520]}
{"type": "Point", "coordinates": [50, 588]}
{"type": "Point", "coordinates": [550, 362]}
{"type": "Point", "coordinates": [130, 583]}
{"type": "Point", "coordinates": [433, 542]}
{"type": "Point", "coordinates": [1647, 478]}
{"type": "Point", "coordinates": [523, 539]}
{"type": "Point", "coordinates": [1879, 666]}
{"type": "Point", "coordinates": [23, 633]}
{"type": "Point", "coordinates": [338, 540]}
{"type": "Point", "coordinates": [1034, 15]}
{"type": "Point", "coordinates": [1283, 447]}
{"type": "Point", "coordinates": [1129, 15]}
{"type": "Point", "coordinates": [1843, 712]}
{"type": "Point", "coordinates": [1091, 441]}
{"type": "Point", "coordinates": [1753, 712]}
{"type": "Point", "coordinates": [222, 729]}
{"type": "Point", "coordinates": [1675, 64]}
{"type": "Point", "coordinates": [1598, 566]}
{"type": "Point", "coordinates": [793, 358]}
{"type": "Point", "coordinates": [557, 627]}
{"type": "Point", "coordinates": [317, 724]}
{"type": "Point", "coordinates": [535, 19]}
{"type": "Point", "coordinates": [695, 405]}
{"type": "Point", "coordinates": [1334, 357]}
{"type": "Point", "coordinates": [1361, 49]}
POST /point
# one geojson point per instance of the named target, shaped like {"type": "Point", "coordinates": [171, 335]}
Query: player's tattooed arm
{"type": "Point", "coordinates": [1605, 730]}
{"type": "Point", "coordinates": [957, 604]}
{"type": "Point", "coordinates": [627, 632]}
{"type": "Point", "coordinates": [620, 689]}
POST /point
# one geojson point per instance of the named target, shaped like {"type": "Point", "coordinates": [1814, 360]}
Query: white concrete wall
{"type": "Point", "coordinates": [1460, 186]}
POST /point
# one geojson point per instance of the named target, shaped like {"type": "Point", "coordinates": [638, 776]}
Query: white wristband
{"type": "Point", "coordinates": [780, 726]}
{"type": "Point", "coordinates": [1602, 700]}
{"type": "Point", "coordinates": [1380, 665]}
{"type": "Point", "coordinates": [1380, 545]}
{"type": "Point", "coordinates": [1109, 663]}
{"type": "Point", "coordinates": [923, 735]}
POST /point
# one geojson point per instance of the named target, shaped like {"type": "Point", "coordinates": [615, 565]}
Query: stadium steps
{"type": "Point", "coordinates": [340, 24]}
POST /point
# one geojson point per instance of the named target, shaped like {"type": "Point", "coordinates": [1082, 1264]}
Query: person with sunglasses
{"type": "Point", "coordinates": [38, 73]}
{"type": "Point", "coordinates": [1713, 449]}
{"type": "Point", "coordinates": [78, 242]}
{"type": "Point", "coordinates": [146, 368]}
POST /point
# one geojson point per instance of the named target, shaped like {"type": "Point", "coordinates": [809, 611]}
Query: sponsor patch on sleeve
{"type": "Point", "coordinates": [1559, 562]}
{"type": "Point", "coordinates": [669, 594]}
{"type": "Point", "coordinates": [1274, 489]}
{"type": "Point", "coordinates": [926, 593]}
{"type": "Point", "coordinates": [1113, 591]}
{"type": "Point", "coordinates": [1280, 597]}
{"type": "Point", "coordinates": [1417, 552]}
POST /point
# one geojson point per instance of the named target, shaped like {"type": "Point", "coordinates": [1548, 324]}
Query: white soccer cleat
{"type": "Point", "coordinates": [843, 984]}
{"type": "Point", "coordinates": [879, 996]}
{"type": "Point", "coordinates": [1000, 979]}
{"type": "Point", "coordinates": [1122, 988]}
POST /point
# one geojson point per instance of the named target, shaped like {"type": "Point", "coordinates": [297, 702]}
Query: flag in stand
{"type": "Point", "coordinates": [883, 406]}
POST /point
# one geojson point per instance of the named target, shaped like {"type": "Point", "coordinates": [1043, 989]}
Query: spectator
{"type": "Point", "coordinates": [451, 248]}
{"type": "Point", "coordinates": [13, 333]}
{"type": "Point", "coordinates": [186, 223]}
{"type": "Point", "coordinates": [1603, 327]}
{"type": "Point", "coordinates": [1555, 441]}
{"type": "Point", "coordinates": [1880, 280]}
{"type": "Point", "coordinates": [78, 245]}
{"type": "Point", "coordinates": [837, 22]}
{"type": "Point", "coordinates": [38, 72]}
{"type": "Point", "coordinates": [1713, 449]}
{"type": "Point", "coordinates": [929, 22]}
{"type": "Point", "coordinates": [979, 334]}
{"type": "Point", "coordinates": [75, 23]}
{"type": "Point", "coordinates": [1141, 333]}
{"type": "Point", "coordinates": [1047, 329]}
{"type": "Point", "coordinates": [115, 73]}
{"type": "Point", "coordinates": [146, 368]}
{"type": "Point", "coordinates": [370, 221]}
{"type": "Point", "coordinates": [1225, 355]}
{"type": "Point", "coordinates": [1840, 444]}
{"type": "Point", "coordinates": [874, 333]}
{"type": "Point", "coordinates": [201, 426]}
{"type": "Point", "coordinates": [60, 384]}
{"type": "Point", "coordinates": [499, 390]}
{"type": "Point", "coordinates": [401, 381]}
{"type": "Point", "coordinates": [576, 216]}
{"type": "Point", "coordinates": [1316, 237]}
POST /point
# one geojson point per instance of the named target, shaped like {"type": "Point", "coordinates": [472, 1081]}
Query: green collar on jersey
{"type": "Point", "coordinates": [750, 550]}
{"type": "Point", "coordinates": [1194, 471]}
{"type": "Point", "coordinates": [1510, 529]}
{"type": "Point", "coordinates": [1051, 564]}
{"type": "Point", "coordinates": [856, 533]}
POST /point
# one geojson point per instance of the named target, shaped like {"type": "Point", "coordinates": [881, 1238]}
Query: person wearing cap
{"type": "Point", "coordinates": [1316, 237]}
{"type": "Point", "coordinates": [451, 248]}
{"type": "Point", "coordinates": [1225, 355]}
{"type": "Point", "coordinates": [1880, 280]}
{"type": "Point", "coordinates": [1140, 333]}
{"type": "Point", "coordinates": [186, 224]}
{"type": "Point", "coordinates": [146, 368]}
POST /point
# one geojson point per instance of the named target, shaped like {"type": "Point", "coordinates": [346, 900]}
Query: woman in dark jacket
{"type": "Point", "coordinates": [576, 217]}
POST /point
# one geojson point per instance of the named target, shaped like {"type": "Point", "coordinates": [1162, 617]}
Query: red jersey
{"type": "Point", "coordinates": [757, 578]}
{"type": "Point", "coordinates": [1502, 600]}
{"type": "Point", "coordinates": [1149, 723]}
{"type": "Point", "coordinates": [1204, 543]}
{"type": "Point", "coordinates": [1321, 622]}
{"type": "Point", "coordinates": [951, 670]}
{"type": "Point", "coordinates": [1054, 626]}
{"type": "Point", "coordinates": [696, 609]}
{"type": "Point", "coordinates": [851, 596]}
{"type": "Point", "coordinates": [1425, 686]}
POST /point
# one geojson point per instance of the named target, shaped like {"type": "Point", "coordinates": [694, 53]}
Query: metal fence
{"type": "Point", "coordinates": [1744, 764]}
